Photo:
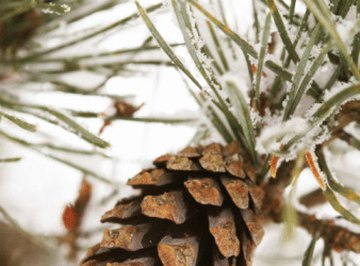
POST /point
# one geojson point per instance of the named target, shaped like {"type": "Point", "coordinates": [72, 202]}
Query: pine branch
{"type": "Point", "coordinates": [337, 237]}
{"type": "Point", "coordinates": [313, 198]}
{"type": "Point", "coordinates": [87, 36]}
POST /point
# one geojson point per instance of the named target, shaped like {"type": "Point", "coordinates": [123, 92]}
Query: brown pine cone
{"type": "Point", "coordinates": [199, 207]}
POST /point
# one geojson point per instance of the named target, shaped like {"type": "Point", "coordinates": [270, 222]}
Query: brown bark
{"type": "Point", "coordinates": [313, 198]}
{"type": "Point", "coordinates": [349, 112]}
{"type": "Point", "coordinates": [337, 237]}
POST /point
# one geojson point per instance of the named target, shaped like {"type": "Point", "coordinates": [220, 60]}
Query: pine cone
{"type": "Point", "coordinates": [199, 207]}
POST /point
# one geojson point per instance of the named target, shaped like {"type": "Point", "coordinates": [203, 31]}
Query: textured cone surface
{"type": "Point", "coordinates": [198, 207]}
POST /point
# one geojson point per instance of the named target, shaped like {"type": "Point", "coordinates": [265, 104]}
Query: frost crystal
{"type": "Point", "coordinates": [239, 82]}
{"type": "Point", "coordinates": [255, 118]}
{"type": "Point", "coordinates": [57, 9]}
{"type": "Point", "coordinates": [272, 136]}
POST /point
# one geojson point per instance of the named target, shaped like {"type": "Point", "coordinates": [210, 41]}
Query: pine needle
{"type": "Point", "coordinates": [290, 107]}
{"type": "Point", "coordinates": [70, 123]}
{"type": "Point", "coordinates": [244, 118]}
{"type": "Point", "coordinates": [278, 70]}
{"type": "Point", "coordinates": [309, 253]}
{"type": "Point", "coordinates": [346, 192]}
{"type": "Point", "coordinates": [335, 203]}
{"type": "Point", "coordinates": [322, 13]}
{"type": "Point", "coordinates": [264, 44]}
{"type": "Point", "coordinates": [58, 159]}
{"type": "Point", "coordinates": [323, 112]}
{"type": "Point", "coordinates": [283, 32]}
{"type": "Point", "coordinates": [163, 44]}
{"type": "Point", "coordinates": [87, 36]}
{"type": "Point", "coordinates": [244, 45]}
{"type": "Point", "coordinates": [10, 160]}
{"type": "Point", "coordinates": [19, 122]}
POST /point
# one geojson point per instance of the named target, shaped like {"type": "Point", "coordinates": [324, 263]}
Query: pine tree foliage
{"type": "Point", "coordinates": [31, 64]}
{"type": "Point", "coordinates": [286, 91]}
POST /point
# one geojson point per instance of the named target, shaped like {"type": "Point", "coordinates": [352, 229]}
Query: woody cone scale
{"type": "Point", "coordinates": [198, 207]}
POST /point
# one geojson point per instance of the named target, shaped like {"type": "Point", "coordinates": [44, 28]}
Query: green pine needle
{"type": "Point", "coordinates": [323, 15]}
{"type": "Point", "coordinates": [19, 122]}
{"type": "Point", "coordinates": [10, 160]}
{"type": "Point", "coordinates": [243, 44]}
{"type": "Point", "coordinates": [309, 253]}
{"type": "Point", "coordinates": [90, 35]}
{"type": "Point", "coordinates": [335, 185]}
{"type": "Point", "coordinates": [336, 204]}
{"type": "Point", "coordinates": [283, 32]}
{"type": "Point", "coordinates": [323, 112]}
{"type": "Point", "coordinates": [264, 44]}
